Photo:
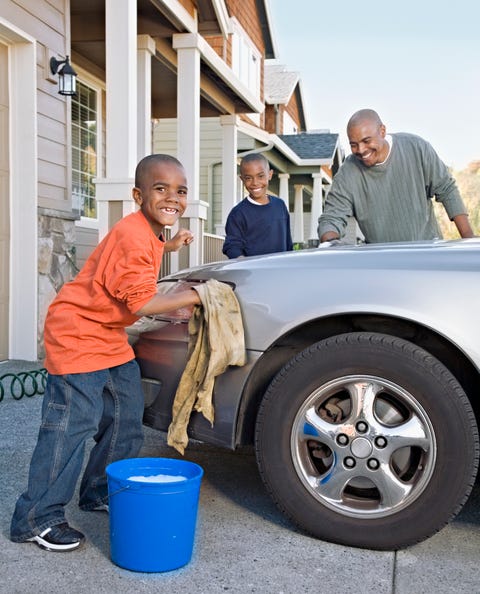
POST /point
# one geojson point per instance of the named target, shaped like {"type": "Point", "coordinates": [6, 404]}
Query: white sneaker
{"type": "Point", "coordinates": [102, 507]}
{"type": "Point", "coordinates": [60, 538]}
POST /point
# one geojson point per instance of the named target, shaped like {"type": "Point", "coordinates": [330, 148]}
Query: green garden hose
{"type": "Point", "coordinates": [24, 383]}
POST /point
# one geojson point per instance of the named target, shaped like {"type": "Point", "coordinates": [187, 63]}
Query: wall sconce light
{"type": "Point", "coordinates": [67, 77]}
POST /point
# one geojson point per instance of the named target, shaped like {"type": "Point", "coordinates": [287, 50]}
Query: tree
{"type": "Point", "coordinates": [468, 181]}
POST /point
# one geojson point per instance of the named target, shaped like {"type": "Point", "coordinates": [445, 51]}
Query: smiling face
{"type": "Point", "coordinates": [161, 192]}
{"type": "Point", "coordinates": [367, 141]}
{"type": "Point", "coordinates": [255, 176]}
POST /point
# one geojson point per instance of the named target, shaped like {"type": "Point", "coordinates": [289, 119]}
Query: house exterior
{"type": "Point", "coordinates": [194, 78]}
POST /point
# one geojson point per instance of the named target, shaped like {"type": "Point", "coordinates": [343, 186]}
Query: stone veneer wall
{"type": "Point", "coordinates": [56, 260]}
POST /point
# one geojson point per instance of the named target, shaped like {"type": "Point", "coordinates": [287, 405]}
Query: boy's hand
{"type": "Point", "coordinates": [181, 238]}
{"type": "Point", "coordinates": [198, 301]}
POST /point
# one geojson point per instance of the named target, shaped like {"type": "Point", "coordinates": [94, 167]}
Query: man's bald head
{"type": "Point", "coordinates": [364, 116]}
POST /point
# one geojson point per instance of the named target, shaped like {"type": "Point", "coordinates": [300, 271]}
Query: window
{"type": "Point", "coordinates": [289, 125]}
{"type": "Point", "coordinates": [246, 59]}
{"type": "Point", "coordinates": [85, 143]}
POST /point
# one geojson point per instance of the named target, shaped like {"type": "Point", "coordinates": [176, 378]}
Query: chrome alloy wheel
{"type": "Point", "coordinates": [363, 446]}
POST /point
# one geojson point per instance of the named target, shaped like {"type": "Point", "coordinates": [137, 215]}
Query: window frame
{"type": "Point", "coordinates": [246, 58]}
{"type": "Point", "coordinates": [98, 87]}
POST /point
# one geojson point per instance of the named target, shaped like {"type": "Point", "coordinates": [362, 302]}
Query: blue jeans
{"type": "Point", "coordinates": [106, 405]}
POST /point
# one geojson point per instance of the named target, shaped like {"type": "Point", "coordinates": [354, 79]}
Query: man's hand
{"type": "Point", "coordinates": [332, 243]}
{"type": "Point", "coordinates": [181, 238]}
{"type": "Point", "coordinates": [329, 236]}
{"type": "Point", "coordinates": [463, 225]}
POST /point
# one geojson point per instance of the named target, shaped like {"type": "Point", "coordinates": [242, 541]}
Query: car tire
{"type": "Point", "coordinates": [367, 440]}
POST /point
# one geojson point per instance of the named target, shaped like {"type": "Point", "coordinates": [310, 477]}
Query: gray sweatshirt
{"type": "Point", "coordinates": [392, 201]}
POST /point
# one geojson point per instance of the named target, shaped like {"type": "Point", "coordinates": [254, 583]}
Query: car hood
{"type": "Point", "coordinates": [391, 254]}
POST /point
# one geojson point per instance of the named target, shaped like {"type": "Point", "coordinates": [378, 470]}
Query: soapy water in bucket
{"type": "Point", "coordinates": [157, 478]}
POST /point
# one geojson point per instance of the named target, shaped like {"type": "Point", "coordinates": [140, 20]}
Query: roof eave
{"type": "Point", "coordinates": [209, 56]}
{"type": "Point", "coordinates": [287, 151]}
{"type": "Point", "coordinates": [301, 103]}
{"type": "Point", "coordinates": [263, 7]}
{"type": "Point", "coordinates": [222, 16]}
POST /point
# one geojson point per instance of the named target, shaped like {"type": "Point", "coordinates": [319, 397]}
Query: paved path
{"type": "Point", "coordinates": [242, 545]}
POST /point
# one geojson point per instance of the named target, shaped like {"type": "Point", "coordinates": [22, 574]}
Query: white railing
{"type": "Point", "coordinates": [212, 248]}
{"type": "Point", "coordinates": [166, 267]}
{"type": "Point", "coordinates": [212, 252]}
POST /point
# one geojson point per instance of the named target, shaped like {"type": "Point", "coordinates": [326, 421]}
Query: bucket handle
{"type": "Point", "coordinates": [118, 491]}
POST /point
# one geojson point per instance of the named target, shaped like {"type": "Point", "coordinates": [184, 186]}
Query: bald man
{"type": "Point", "coordinates": [387, 184]}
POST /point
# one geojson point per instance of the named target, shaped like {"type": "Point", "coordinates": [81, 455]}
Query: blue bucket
{"type": "Point", "coordinates": [153, 505]}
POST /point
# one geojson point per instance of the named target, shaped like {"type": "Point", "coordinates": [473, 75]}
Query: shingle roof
{"type": "Point", "coordinates": [312, 145]}
{"type": "Point", "coordinates": [279, 84]}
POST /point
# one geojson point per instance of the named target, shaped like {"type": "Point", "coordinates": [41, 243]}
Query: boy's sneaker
{"type": "Point", "coordinates": [101, 507]}
{"type": "Point", "coordinates": [60, 538]}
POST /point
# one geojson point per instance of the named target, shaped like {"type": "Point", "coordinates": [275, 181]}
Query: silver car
{"type": "Point", "coordinates": [361, 390]}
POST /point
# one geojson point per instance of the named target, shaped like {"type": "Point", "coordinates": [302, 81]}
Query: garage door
{"type": "Point", "coordinates": [4, 204]}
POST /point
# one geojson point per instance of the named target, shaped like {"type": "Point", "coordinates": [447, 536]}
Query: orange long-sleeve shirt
{"type": "Point", "coordinates": [85, 324]}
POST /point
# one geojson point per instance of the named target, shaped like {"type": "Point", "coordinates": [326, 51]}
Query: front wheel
{"type": "Point", "coordinates": [367, 440]}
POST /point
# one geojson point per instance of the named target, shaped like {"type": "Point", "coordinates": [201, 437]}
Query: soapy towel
{"type": "Point", "coordinates": [216, 340]}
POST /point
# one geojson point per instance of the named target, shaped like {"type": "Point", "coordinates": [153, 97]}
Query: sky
{"type": "Point", "coordinates": [416, 62]}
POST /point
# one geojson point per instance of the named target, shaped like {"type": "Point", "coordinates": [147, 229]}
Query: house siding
{"type": "Point", "coordinates": [211, 170]}
{"type": "Point", "coordinates": [165, 136]}
{"type": "Point", "coordinates": [270, 120]}
{"type": "Point", "coordinates": [292, 109]}
{"type": "Point", "coordinates": [86, 240]}
{"type": "Point", "coordinates": [46, 22]}
{"type": "Point", "coordinates": [219, 46]}
{"type": "Point", "coordinates": [189, 6]}
{"type": "Point", "coordinates": [246, 13]}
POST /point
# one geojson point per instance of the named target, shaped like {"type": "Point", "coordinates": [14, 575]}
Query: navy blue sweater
{"type": "Point", "coordinates": [253, 229]}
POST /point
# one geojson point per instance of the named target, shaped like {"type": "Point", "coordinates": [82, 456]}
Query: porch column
{"type": "Point", "coordinates": [188, 135]}
{"type": "Point", "coordinates": [298, 214]}
{"type": "Point", "coordinates": [317, 206]}
{"type": "Point", "coordinates": [229, 125]}
{"type": "Point", "coordinates": [283, 190]}
{"type": "Point", "coordinates": [145, 51]}
{"type": "Point", "coordinates": [326, 189]}
{"type": "Point", "coordinates": [121, 113]}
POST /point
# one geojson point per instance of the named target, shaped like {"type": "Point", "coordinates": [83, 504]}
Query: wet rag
{"type": "Point", "coordinates": [216, 340]}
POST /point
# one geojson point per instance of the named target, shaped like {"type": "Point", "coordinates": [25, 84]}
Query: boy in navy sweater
{"type": "Point", "coordinates": [260, 223]}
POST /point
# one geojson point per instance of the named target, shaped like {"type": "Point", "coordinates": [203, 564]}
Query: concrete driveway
{"type": "Point", "coordinates": [242, 544]}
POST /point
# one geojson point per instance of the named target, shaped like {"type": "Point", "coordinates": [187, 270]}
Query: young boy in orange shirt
{"type": "Point", "coordinates": [93, 386]}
